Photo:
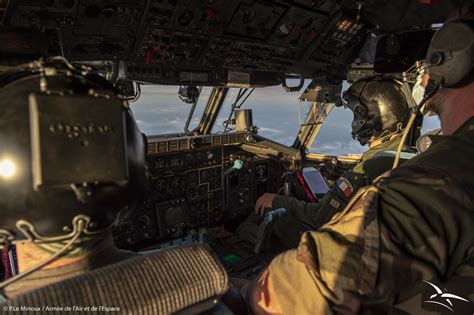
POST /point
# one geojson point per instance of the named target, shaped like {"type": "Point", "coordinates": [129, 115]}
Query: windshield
{"type": "Point", "coordinates": [160, 111]}
{"type": "Point", "coordinates": [275, 113]}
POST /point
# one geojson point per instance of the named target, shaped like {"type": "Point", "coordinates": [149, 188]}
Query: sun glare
{"type": "Point", "coordinates": [7, 168]}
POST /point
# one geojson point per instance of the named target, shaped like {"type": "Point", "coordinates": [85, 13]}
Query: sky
{"type": "Point", "coordinates": [275, 112]}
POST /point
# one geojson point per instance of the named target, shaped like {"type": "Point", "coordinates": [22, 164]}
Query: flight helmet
{"type": "Point", "coordinates": [70, 151]}
{"type": "Point", "coordinates": [379, 105]}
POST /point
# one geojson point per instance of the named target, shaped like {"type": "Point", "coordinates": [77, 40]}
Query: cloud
{"type": "Point", "coordinates": [270, 130]}
{"type": "Point", "coordinates": [338, 148]}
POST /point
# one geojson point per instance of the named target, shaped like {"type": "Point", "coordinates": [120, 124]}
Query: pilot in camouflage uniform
{"type": "Point", "coordinates": [302, 216]}
{"type": "Point", "coordinates": [404, 245]}
{"type": "Point", "coordinates": [378, 118]}
{"type": "Point", "coordinates": [413, 225]}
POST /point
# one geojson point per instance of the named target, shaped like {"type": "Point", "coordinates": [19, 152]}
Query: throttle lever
{"type": "Point", "coordinates": [268, 220]}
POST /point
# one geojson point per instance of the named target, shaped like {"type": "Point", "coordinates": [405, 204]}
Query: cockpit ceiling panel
{"type": "Point", "coordinates": [213, 42]}
{"type": "Point", "coordinates": [206, 42]}
{"type": "Point", "coordinates": [88, 29]}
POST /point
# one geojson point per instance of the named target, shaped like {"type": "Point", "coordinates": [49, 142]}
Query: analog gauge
{"type": "Point", "coordinates": [261, 171]}
{"type": "Point", "coordinates": [185, 18]}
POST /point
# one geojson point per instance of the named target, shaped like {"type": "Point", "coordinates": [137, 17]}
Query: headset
{"type": "Point", "coordinates": [449, 62]}
{"type": "Point", "coordinates": [451, 53]}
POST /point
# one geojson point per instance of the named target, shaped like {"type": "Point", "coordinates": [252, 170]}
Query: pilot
{"type": "Point", "coordinates": [380, 110]}
{"type": "Point", "coordinates": [413, 225]}
{"type": "Point", "coordinates": [61, 228]}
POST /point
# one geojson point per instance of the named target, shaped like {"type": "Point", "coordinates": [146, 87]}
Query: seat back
{"type": "Point", "coordinates": [188, 277]}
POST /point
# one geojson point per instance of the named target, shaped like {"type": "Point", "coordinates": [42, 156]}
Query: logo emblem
{"type": "Point", "coordinates": [443, 298]}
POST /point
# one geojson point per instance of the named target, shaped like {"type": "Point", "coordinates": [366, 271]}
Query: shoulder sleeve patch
{"type": "Point", "coordinates": [335, 204]}
{"type": "Point", "coordinates": [345, 186]}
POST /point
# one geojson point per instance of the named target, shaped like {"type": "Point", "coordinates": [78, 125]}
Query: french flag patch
{"type": "Point", "coordinates": [345, 186]}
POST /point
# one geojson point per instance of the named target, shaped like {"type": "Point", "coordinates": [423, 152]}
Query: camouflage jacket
{"type": "Point", "coordinates": [373, 163]}
{"type": "Point", "coordinates": [414, 226]}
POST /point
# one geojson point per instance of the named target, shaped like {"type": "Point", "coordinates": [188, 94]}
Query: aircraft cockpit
{"type": "Point", "coordinates": [227, 69]}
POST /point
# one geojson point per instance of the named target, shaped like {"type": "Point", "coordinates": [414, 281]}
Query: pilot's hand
{"type": "Point", "coordinates": [264, 202]}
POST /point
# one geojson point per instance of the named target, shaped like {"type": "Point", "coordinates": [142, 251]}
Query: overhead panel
{"type": "Point", "coordinates": [338, 46]}
{"type": "Point", "coordinates": [88, 29]}
{"type": "Point", "coordinates": [212, 42]}
{"type": "Point", "coordinates": [202, 42]}
{"type": "Point", "coordinates": [255, 20]}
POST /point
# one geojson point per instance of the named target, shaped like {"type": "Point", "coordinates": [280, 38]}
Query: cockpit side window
{"type": "Point", "coordinates": [430, 123]}
{"type": "Point", "coordinates": [334, 137]}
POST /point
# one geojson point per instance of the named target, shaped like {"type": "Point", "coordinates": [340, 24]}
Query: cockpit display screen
{"type": "Point", "coordinates": [174, 216]}
{"type": "Point", "coordinates": [315, 181]}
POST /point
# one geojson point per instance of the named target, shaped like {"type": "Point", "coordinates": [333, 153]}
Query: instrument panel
{"type": "Point", "coordinates": [192, 190]}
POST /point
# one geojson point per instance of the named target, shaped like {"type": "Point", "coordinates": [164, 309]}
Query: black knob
{"type": "Point", "coordinates": [436, 58]}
